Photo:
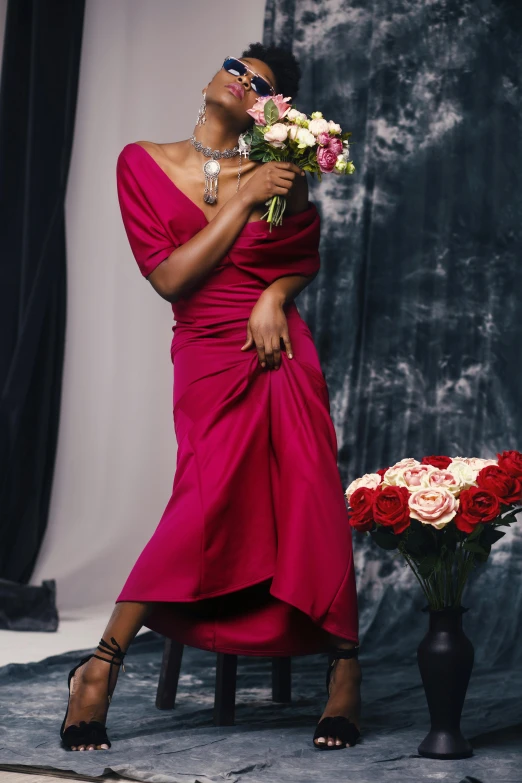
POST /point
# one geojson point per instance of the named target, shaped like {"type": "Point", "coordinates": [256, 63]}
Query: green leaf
{"type": "Point", "coordinates": [418, 541]}
{"type": "Point", "coordinates": [491, 536]}
{"type": "Point", "coordinates": [271, 112]}
{"type": "Point", "coordinates": [427, 566]}
{"type": "Point", "coordinates": [474, 547]}
{"type": "Point", "coordinates": [385, 539]}
{"type": "Point", "coordinates": [508, 519]}
{"type": "Point", "coordinates": [475, 533]}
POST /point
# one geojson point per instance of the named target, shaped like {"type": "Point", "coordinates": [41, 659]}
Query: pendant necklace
{"type": "Point", "coordinates": [212, 167]}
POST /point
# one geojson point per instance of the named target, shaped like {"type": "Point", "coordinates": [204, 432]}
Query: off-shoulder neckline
{"type": "Point", "coordinates": [190, 201]}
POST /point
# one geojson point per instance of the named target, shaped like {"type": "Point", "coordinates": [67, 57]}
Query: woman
{"type": "Point", "coordinates": [253, 552]}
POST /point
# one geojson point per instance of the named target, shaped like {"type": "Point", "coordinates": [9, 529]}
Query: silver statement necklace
{"type": "Point", "coordinates": [212, 167]}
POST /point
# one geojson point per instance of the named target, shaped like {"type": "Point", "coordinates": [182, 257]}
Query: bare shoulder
{"type": "Point", "coordinates": [172, 152]}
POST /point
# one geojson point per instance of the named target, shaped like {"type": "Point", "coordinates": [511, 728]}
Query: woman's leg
{"type": "Point", "coordinates": [89, 685]}
{"type": "Point", "coordinates": [345, 697]}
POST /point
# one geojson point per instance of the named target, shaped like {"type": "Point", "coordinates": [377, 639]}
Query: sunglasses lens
{"type": "Point", "coordinates": [235, 67]}
{"type": "Point", "coordinates": [260, 86]}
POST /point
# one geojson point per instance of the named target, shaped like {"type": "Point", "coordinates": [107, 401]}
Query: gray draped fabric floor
{"type": "Point", "coordinates": [270, 743]}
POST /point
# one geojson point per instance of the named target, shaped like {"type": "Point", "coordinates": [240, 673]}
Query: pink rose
{"type": "Point", "coordinates": [336, 145]}
{"type": "Point", "coordinates": [326, 159]}
{"type": "Point", "coordinates": [435, 506]}
{"type": "Point", "coordinates": [323, 139]}
{"type": "Point", "coordinates": [282, 106]}
{"type": "Point", "coordinates": [258, 109]}
{"type": "Point", "coordinates": [277, 134]}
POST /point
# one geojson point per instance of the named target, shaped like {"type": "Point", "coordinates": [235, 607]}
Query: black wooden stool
{"type": "Point", "coordinates": [225, 694]}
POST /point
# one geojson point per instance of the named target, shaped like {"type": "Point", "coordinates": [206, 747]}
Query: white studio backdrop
{"type": "Point", "coordinates": [143, 66]}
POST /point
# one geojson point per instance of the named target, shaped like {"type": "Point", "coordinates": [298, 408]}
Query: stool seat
{"type": "Point", "coordinates": [225, 691]}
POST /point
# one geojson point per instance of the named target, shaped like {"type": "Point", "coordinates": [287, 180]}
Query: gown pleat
{"type": "Point", "coordinates": [253, 552]}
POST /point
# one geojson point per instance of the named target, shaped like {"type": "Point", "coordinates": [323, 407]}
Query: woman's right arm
{"type": "Point", "coordinates": [190, 263]}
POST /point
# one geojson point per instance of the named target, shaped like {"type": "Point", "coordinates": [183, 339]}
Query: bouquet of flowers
{"type": "Point", "coordinates": [281, 132]}
{"type": "Point", "coordinates": [441, 514]}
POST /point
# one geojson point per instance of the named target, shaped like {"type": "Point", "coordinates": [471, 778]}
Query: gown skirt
{"type": "Point", "coordinates": [253, 552]}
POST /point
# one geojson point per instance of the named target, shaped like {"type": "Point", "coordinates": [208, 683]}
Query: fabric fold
{"type": "Point", "coordinates": [252, 553]}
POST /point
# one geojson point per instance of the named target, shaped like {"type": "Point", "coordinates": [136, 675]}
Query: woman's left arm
{"type": "Point", "coordinates": [267, 324]}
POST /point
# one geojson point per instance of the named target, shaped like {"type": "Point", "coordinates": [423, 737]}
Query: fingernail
{"type": "Point", "coordinates": [290, 355]}
{"type": "Point", "coordinates": [263, 364]}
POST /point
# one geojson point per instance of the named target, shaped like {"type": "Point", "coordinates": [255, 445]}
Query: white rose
{"type": "Point", "coordinates": [333, 127]}
{"type": "Point", "coordinates": [340, 165]}
{"type": "Point", "coordinates": [476, 463]}
{"type": "Point", "coordinates": [317, 115]}
{"type": "Point", "coordinates": [293, 115]}
{"type": "Point", "coordinates": [277, 134]}
{"type": "Point", "coordinates": [350, 168]}
{"type": "Point", "coordinates": [463, 472]}
{"type": "Point", "coordinates": [371, 480]}
{"type": "Point", "coordinates": [318, 126]}
{"type": "Point", "coordinates": [304, 138]}
{"type": "Point", "coordinates": [390, 477]}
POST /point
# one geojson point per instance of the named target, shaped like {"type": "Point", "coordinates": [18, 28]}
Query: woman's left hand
{"type": "Point", "coordinates": [266, 327]}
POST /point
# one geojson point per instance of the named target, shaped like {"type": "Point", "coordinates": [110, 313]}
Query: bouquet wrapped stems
{"type": "Point", "coordinates": [275, 212]}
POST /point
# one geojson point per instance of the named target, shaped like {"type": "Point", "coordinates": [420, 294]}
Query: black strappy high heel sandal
{"type": "Point", "coordinates": [93, 732]}
{"type": "Point", "coordinates": [337, 725]}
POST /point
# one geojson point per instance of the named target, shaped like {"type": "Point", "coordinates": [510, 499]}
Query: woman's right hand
{"type": "Point", "coordinates": [271, 179]}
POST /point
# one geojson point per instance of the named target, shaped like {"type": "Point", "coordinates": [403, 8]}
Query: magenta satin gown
{"type": "Point", "coordinates": [253, 552]}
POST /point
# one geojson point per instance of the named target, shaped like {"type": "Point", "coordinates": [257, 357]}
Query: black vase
{"type": "Point", "coordinates": [445, 658]}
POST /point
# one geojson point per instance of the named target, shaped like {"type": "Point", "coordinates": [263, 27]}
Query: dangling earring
{"type": "Point", "coordinates": [201, 114]}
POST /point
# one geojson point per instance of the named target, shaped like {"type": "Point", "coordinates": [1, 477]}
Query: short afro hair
{"type": "Point", "coordinates": [283, 63]}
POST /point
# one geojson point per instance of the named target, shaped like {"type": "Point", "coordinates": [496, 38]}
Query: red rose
{"type": "Point", "coordinates": [361, 503]}
{"type": "Point", "coordinates": [476, 506]}
{"type": "Point", "coordinates": [381, 472]}
{"type": "Point", "coordinates": [437, 461]}
{"type": "Point", "coordinates": [511, 462]}
{"type": "Point", "coordinates": [390, 507]}
{"type": "Point", "coordinates": [507, 488]}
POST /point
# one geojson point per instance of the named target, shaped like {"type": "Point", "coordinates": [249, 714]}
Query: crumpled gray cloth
{"type": "Point", "coordinates": [28, 607]}
{"type": "Point", "coordinates": [270, 743]}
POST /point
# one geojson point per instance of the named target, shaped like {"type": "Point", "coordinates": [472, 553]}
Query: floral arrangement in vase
{"type": "Point", "coordinates": [282, 133]}
{"type": "Point", "coordinates": [442, 514]}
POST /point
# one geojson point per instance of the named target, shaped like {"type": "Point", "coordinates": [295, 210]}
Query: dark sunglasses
{"type": "Point", "coordinates": [237, 68]}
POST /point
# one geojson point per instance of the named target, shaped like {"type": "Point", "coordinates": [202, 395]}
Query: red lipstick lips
{"type": "Point", "coordinates": [237, 90]}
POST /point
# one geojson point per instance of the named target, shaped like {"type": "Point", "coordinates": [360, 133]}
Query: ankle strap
{"type": "Point", "coordinates": [344, 652]}
{"type": "Point", "coordinates": [106, 649]}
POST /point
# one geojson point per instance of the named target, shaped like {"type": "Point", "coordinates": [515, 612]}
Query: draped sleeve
{"type": "Point", "coordinates": [149, 239]}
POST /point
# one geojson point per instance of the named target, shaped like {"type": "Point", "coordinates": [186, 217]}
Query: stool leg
{"type": "Point", "coordinates": [169, 675]}
{"type": "Point", "coordinates": [225, 697]}
{"type": "Point", "coordinates": [281, 679]}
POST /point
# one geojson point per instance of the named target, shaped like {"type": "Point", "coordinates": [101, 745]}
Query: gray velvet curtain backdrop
{"type": "Point", "coordinates": [416, 310]}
